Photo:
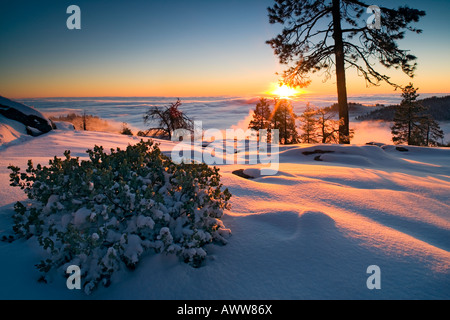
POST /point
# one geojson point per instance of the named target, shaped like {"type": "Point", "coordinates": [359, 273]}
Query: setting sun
{"type": "Point", "coordinates": [284, 91]}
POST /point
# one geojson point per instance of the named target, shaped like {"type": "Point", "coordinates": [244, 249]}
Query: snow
{"type": "Point", "coordinates": [308, 232]}
{"type": "Point", "coordinates": [10, 130]}
{"type": "Point", "coordinates": [63, 125]}
{"type": "Point", "coordinates": [80, 216]}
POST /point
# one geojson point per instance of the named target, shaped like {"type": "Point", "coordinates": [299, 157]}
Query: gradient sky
{"type": "Point", "coordinates": [176, 48]}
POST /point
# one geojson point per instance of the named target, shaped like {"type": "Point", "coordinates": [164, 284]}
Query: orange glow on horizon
{"type": "Point", "coordinates": [145, 86]}
{"type": "Point", "coordinates": [284, 91]}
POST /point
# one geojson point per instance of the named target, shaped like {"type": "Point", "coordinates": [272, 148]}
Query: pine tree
{"type": "Point", "coordinates": [283, 119]}
{"type": "Point", "coordinates": [407, 118]}
{"type": "Point", "coordinates": [332, 35]}
{"type": "Point", "coordinates": [261, 117]}
{"type": "Point", "coordinates": [309, 125]}
{"type": "Point", "coordinates": [430, 133]}
{"type": "Point", "coordinates": [328, 127]}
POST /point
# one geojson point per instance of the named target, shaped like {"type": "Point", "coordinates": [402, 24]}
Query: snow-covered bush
{"type": "Point", "coordinates": [103, 214]}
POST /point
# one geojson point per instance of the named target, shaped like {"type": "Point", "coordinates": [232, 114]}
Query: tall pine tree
{"type": "Point", "coordinates": [309, 125]}
{"type": "Point", "coordinates": [261, 117]}
{"type": "Point", "coordinates": [283, 119]}
{"type": "Point", "coordinates": [430, 132]}
{"type": "Point", "coordinates": [406, 128]}
{"type": "Point", "coordinates": [332, 35]}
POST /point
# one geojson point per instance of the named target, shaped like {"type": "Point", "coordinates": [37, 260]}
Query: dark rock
{"type": "Point", "coordinates": [378, 144]}
{"type": "Point", "coordinates": [307, 153]}
{"type": "Point", "coordinates": [240, 173]}
{"type": "Point", "coordinates": [34, 121]}
{"type": "Point", "coordinates": [31, 121]}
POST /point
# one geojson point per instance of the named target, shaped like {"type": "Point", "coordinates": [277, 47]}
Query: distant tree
{"type": "Point", "coordinates": [309, 125]}
{"type": "Point", "coordinates": [168, 118]}
{"type": "Point", "coordinates": [328, 127]}
{"type": "Point", "coordinates": [437, 107]}
{"type": "Point", "coordinates": [430, 132]}
{"type": "Point", "coordinates": [407, 117]}
{"type": "Point", "coordinates": [261, 117]}
{"type": "Point", "coordinates": [84, 121]}
{"type": "Point", "coordinates": [126, 130]}
{"type": "Point", "coordinates": [283, 118]}
{"type": "Point", "coordinates": [329, 36]}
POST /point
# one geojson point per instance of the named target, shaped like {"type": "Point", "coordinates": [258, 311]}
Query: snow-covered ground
{"type": "Point", "coordinates": [10, 130]}
{"type": "Point", "coordinates": [308, 232]}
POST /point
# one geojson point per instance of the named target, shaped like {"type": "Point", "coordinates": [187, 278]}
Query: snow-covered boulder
{"type": "Point", "coordinates": [34, 121]}
{"type": "Point", "coordinates": [64, 125]}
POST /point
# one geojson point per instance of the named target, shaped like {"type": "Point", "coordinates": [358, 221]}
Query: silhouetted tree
{"type": "Point", "coordinates": [126, 130]}
{"type": "Point", "coordinates": [328, 127]}
{"type": "Point", "coordinates": [261, 117]}
{"type": "Point", "coordinates": [168, 118]}
{"type": "Point", "coordinates": [84, 121]}
{"type": "Point", "coordinates": [412, 122]}
{"type": "Point", "coordinates": [437, 107]}
{"type": "Point", "coordinates": [330, 35]}
{"type": "Point", "coordinates": [407, 118]}
{"type": "Point", "coordinates": [430, 133]}
{"type": "Point", "coordinates": [283, 118]}
{"type": "Point", "coordinates": [309, 125]}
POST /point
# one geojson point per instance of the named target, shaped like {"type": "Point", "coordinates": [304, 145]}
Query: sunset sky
{"type": "Point", "coordinates": [176, 48]}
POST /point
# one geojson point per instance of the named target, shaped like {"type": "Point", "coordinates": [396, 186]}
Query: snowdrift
{"type": "Point", "coordinates": [308, 232]}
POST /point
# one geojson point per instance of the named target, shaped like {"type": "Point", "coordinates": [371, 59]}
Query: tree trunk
{"type": "Point", "coordinates": [84, 121]}
{"type": "Point", "coordinates": [324, 135]}
{"type": "Point", "coordinates": [409, 133]}
{"type": "Point", "coordinates": [344, 130]}
{"type": "Point", "coordinates": [285, 127]}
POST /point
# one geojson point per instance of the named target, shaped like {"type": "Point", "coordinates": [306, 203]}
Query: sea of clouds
{"type": "Point", "coordinates": [214, 112]}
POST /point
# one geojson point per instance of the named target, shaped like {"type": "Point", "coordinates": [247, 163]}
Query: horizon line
{"type": "Point", "coordinates": [442, 94]}
{"type": "Point", "coordinates": [222, 96]}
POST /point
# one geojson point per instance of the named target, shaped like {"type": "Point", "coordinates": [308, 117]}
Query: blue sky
{"type": "Point", "coordinates": [143, 48]}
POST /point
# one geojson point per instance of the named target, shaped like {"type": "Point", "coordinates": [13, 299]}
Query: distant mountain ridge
{"type": "Point", "coordinates": [438, 108]}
